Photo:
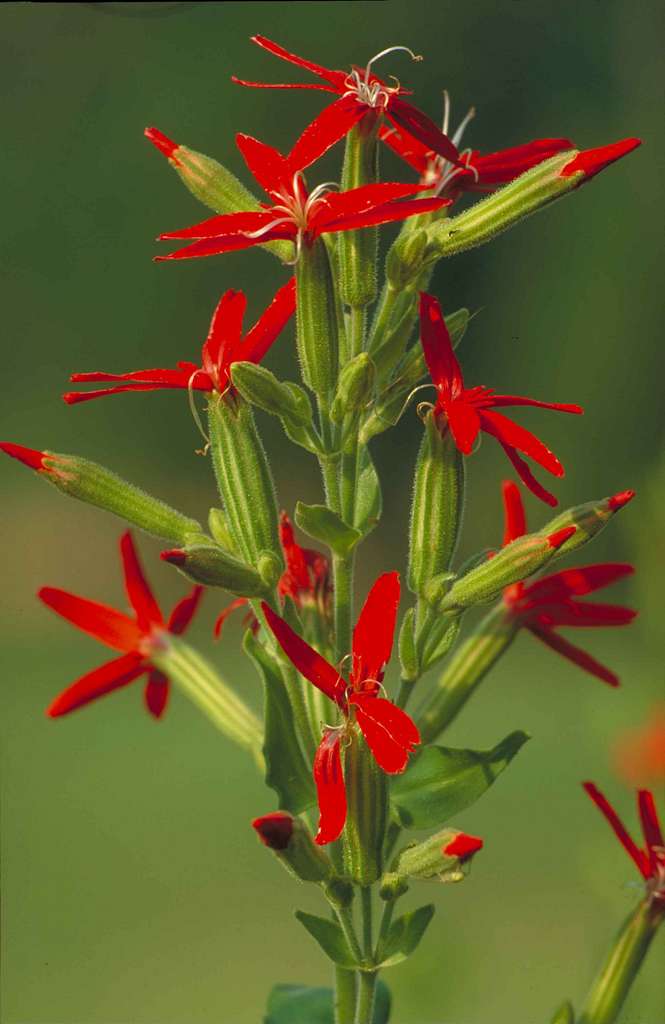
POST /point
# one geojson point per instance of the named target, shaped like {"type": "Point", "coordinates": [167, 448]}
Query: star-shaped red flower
{"type": "Point", "coordinates": [468, 411]}
{"type": "Point", "coordinates": [551, 601]}
{"type": "Point", "coordinates": [389, 732]}
{"type": "Point", "coordinates": [136, 636]}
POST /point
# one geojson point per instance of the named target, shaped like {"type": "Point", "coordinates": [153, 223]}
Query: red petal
{"type": "Point", "coordinates": [375, 630]}
{"type": "Point", "coordinates": [224, 224]}
{"type": "Point", "coordinates": [649, 818]}
{"type": "Point", "coordinates": [390, 733]}
{"type": "Point", "coordinates": [572, 653]}
{"type": "Point", "coordinates": [585, 579]}
{"type": "Point", "coordinates": [409, 149]}
{"type": "Point", "coordinates": [444, 369]}
{"type": "Point", "coordinates": [463, 846]}
{"type": "Point", "coordinates": [332, 124]}
{"type": "Point", "coordinates": [527, 477]}
{"type": "Point", "coordinates": [282, 85]}
{"type": "Point", "coordinates": [239, 602]}
{"type": "Point", "coordinates": [272, 170]}
{"type": "Point", "coordinates": [617, 501]}
{"type": "Point", "coordinates": [591, 161]}
{"type": "Point", "coordinates": [586, 613]}
{"type": "Point", "coordinates": [156, 693]}
{"type": "Point", "coordinates": [336, 206]}
{"type": "Point", "coordinates": [497, 401]}
{"type": "Point", "coordinates": [30, 457]}
{"type": "Point", "coordinates": [184, 611]}
{"type": "Point", "coordinates": [384, 214]}
{"type": "Point", "coordinates": [158, 378]}
{"type": "Point", "coordinates": [163, 143]}
{"type": "Point", "coordinates": [330, 791]}
{"type": "Point", "coordinates": [512, 434]}
{"type": "Point", "coordinates": [106, 624]}
{"type": "Point", "coordinates": [228, 243]}
{"type": "Point", "coordinates": [225, 333]}
{"type": "Point", "coordinates": [506, 164]}
{"type": "Point", "coordinates": [618, 828]}
{"type": "Point", "coordinates": [138, 590]}
{"type": "Point", "coordinates": [404, 115]}
{"type": "Point", "coordinates": [270, 324]}
{"type": "Point", "coordinates": [274, 830]}
{"type": "Point", "coordinates": [513, 509]}
{"type": "Point", "coordinates": [336, 78]}
{"type": "Point", "coordinates": [309, 663]}
{"type": "Point", "coordinates": [464, 424]}
{"type": "Point", "coordinates": [100, 681]}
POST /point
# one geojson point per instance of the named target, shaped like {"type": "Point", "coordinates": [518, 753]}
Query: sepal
{"type": "Point", "coordinates": [324, 525]}
{"type": "Point", "coordinates": [317, 328]}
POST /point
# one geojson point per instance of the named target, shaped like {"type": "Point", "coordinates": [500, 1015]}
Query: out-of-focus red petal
{"type": "Point", "coordinates": [162, 142]}
{"type": "Point", "coordinates": [513, 509]}
{"type": "Point", "coordinates": [464, 423]}
{"type": "Point", "coordinates": [650, 824]}
{"type": "Point", "coordinates": [309, 662]}
{"type": "Point", "coordinates": [413, 152]}
{"type": "Point", "coordinates": [584, 579]}
{"type": "Point", "coordinates": [156, 693]}
{"type": "Point", "coordinates": [575, 654]}
{"type": "Point", "coordinates": [390, 733]}
{"type": "Point", "coordinates": [527, 477]}
{"type": "Point", "coordinates": [106, 624]}
{"type": "Point", "coordinates": [619, 829]}
{"type": "Point", "coordinates": [586, 613]}
{"type": "Point", "coordinates": [184, 611]}
{"type": "Point", "coordinates": [270, 324]}
{"type": "Point", "coordinates": [375, 630]}
{"type": "Point", "coordinates": [385, 214]}
{"type": "Point", "coordinates": [444, 369]}
{"type": "Point", "coordinates": [335, 78]}
{"type": "Point", "coordinates": [97, 683]}
{"type": "Point", "coordinates": [238, 602]}
{"type": "Point", "coordinates": [223, 224]}
{"type": "Point", "coordinates": [272, 170]}
{"type": "Point", "coordinates": [30, 457]}
{"type": "Point", "coordinates": [331, 125]}
{"type": "Point", "coordinates": [157, 378]}
{"type": "Point", "coordinates": [405, 115]}
{"type": "Point", "coordinates": [330, 791]}
{"type": "Point", "coordinates": [138, 590]}
{"type": "Point", "coordinates": [516, 436]}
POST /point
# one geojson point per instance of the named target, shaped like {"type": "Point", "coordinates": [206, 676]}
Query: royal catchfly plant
{"type": "Point", "coordinates": [470, 411]}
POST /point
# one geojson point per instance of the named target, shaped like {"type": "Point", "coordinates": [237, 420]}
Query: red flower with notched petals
{"type": "Point", "coordinates": [470, 411]}
{"type": "Point", "coordinates": [650, 859]}
{"type": "Point", "coordinates": [389, 732]}
{"type": "Point", "coordinates": [225, 345]}
{"type": "Point", "coordinates": [137, 637]}
{"type": "Point", "coordinates": [550, 602]}
{"type": "Point", "coordinates": [294, 213]}
{"type": "Point", "coordinates": [362, 95]}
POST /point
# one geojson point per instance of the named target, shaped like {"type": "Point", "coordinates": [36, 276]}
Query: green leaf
{"type": "Point", "coordinates": [321, 523]}
{"type": "Point", "coordinates": [330, 938]}
{"type": "Point", "coordinates": [565, 1014]}
{"type": "Point", "coordinates": [300, 1004]}
{"type": "Point", "coordinates": [441, 638]}
{"type": "Point", "coordinates": [405, 935]}
{"type": "Point", "coordinates": [441, 781]}
{"type": "Point", "coordinates": [287, 772]}
{"type": "Point", "coordinates": [369, 503]}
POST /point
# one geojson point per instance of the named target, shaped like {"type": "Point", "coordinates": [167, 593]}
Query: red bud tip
{"type": "Point", "coordinates": [28, 456]}
{"type": "Point", "coordinates": [555, 540]}
{"type": "Point", "coordinates": [463, 846]}
{"type": "Point", "coordinates": [617, 501]}
{"type": "Point", "coordinates": [163, 143]}
{"type": "Point", "coordinates": [591, 161]}
{"type": "Point", "coordinates": [274, 830]}
{"type": "Point", "coordinates": [174, 557]}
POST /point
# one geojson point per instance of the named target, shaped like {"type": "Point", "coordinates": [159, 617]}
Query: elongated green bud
{"type": "Point", "coordinates": [291, 842]}
{"type": "Point", "coordinates": [244, 478]}
{"type": "Point", "coordinates": [211, 565]}
{"type": "Point", "coordinates": [440, 856]}
{"type": "Point", "coordinates": [317, 330]}
{"type": "Point", "coordinates": [89, 482]}
{"type": "Point", "coordinates": [405, 258]}
{"type": "Point", "coordinates": [438, 501]}
{"type": "Point", "coordinates": [588, 519]}
{"type": "Point", "coordinates": [513, 563]}
{"type": "Point", "coordinates": [367, 812]}
{"type": "Point", "coordinates": [466, 669]}
{"type": "Point", "coordinates": [212, 184]}
{"type": "Point", "coordinates": [358, 249]}
{"type": "Point", "coordinates": [354, 388]}
{"type": "Point", "coordinates": [531, 192]}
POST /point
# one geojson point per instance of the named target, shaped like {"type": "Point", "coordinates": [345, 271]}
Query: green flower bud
{"type": "Point", "coordinates": [317, 328]}
{"type": "Point", "coordinates": [393, 885]}
{"type": "Point", "coordinates": [358, 249]}
{"type": "Point", "coordinates": [367, 811]}
{"type": "Point", "coordinates": [292, 844]}
{"type": "Point", "coordinates": [354, 388]}
{"type": "Point", "coordinates": [405, 258]}
{"type": "Point", "coordinates": [588, 519]}
{"type": "Point", "coordinates": [441, 856]}
{"type": "Point", "coordinates": [211, 565]}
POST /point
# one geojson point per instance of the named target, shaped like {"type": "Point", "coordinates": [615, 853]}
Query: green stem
{"type": "Point", "coordinates": [366, 906]}
{"type": "Point", "coordinates": [366, 993]}
{"type": "Point", "coordinates": [384, 318]}
{"type": "Point", "coordinates": [345, 919]}
{"type": "Point", "coordinates": [343, 602]}
{"type": "Point", "coordinates": [356, 333]}
{"type": "Point", "coordinates": [384, 928]}
{"type": "Point", "coordinates": [620, 969]}
{"type": "Point", "coordinates": [345, 995]}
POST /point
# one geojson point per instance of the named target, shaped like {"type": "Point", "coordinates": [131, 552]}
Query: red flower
{"type": "Point", "coordinates": [137, 637]}
{"type": "Point", "coordinates": [468, 411]}
{"type": "Point", "coordinates": [306, 579]}
{"type": "Point", "coordinates": [543, 606]}
{"type": "Point", "coordinates": [650, 860]}
{"type": "Point", "coordinates": [389, 732]}
{"type": "Point", "coordinates": [224, 346]}
{"type": "Point", "coordinates": [362, 95]}
{"type": "Point", "coordinates": [295, 214]}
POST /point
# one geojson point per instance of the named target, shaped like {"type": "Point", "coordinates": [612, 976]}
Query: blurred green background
{"type": "Point", "coordinates": [133, 888]}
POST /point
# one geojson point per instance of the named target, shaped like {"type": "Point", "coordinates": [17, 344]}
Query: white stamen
{"type": "Point", "coordinates": [383, 53]}
{"type": "Point", "coordinates": [195, 413]}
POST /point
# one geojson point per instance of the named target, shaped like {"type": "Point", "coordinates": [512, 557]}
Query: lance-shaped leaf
{"type": "Point", "coordinates": [324, 525]}
{"type": "Point", "coordinates": [330, 938]}
{"type": "Point", "coordinates": [442, 781]}
{"type": "Point", "coordinates": [286, 769]}
{"type": "Point", "coordinates": [369, 502]}
{"type": "Point", "coordinates": [405, 935]}
{"type": "Point", "coordinates": [300, 1004]}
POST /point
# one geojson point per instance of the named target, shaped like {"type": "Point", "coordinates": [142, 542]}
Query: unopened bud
{"type": "Point", "coordinates": [317, 327]}
{"type": "Point", "coordinates": [262, 388]}
{"type": "Point", "coordinates": [354, 388]}
{"type": "Point", "coordinates": [211, 565]}
{"type": "Point", "coordinates": [588, 519]}
{"type": "Point", "coordinates": [270, 568]}
{"type": "Point", "coordinates": [512, 564]}
{"type": "Point", "coordinates": [358, 249]}
{"type": "Point", "coordinates": [405, 258]}
{"type": "Point", "coordinates": [441, 856]}
{"type": "Point", "coordinates": [392, 886]}
{"type": "Point", "coordinates": [98, 486]}
{"type": "Point", "coordinates": [291, 842]}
